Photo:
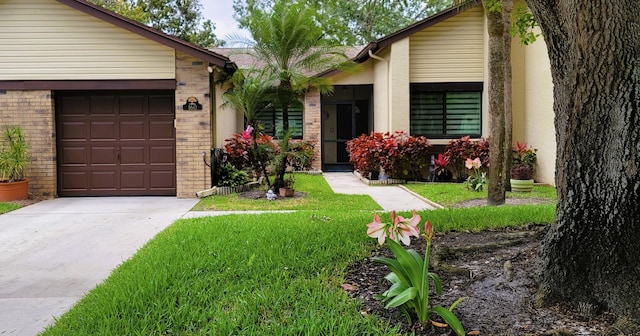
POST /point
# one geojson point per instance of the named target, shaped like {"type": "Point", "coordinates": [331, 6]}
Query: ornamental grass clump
{"type": "Point", "coordinates": [410, 274]}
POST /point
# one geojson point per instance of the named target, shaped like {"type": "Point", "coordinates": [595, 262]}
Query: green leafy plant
{"type": "Point", "coordinates": [13, 155]}
{"type": "Point", "coordinates": [410, 274]}
{"type": "Point", "coordinates": [231, 176]}
{"type": "Point", "coordinates": [476, 181]}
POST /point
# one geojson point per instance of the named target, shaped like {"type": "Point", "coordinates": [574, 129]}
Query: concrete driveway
{"type": "Point", "coordinates": [53, 252]}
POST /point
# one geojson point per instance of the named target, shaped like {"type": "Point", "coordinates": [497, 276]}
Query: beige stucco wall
{"type": "Point", "coordinates": [365, 74]}
{"type": "Point", "coordinates": [450, 51]}
{"type": "Point", "coordinates": [538, 127]}
{"type": "Point", "coordinates": [227, 120]}
{"type": "Point", "coordinates": [381, 101]}
{"type": "Point", "coordinates": [46, 40]}
{"type": "Point", "coordinates": [399, 74]}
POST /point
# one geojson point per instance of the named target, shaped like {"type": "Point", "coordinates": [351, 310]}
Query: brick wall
{"type": "Point", "coordinates": [34, 112]}
{"type": "Point", "coordinates": [312, 124]}
{"type": "Point", "coordinates": [193, 128]}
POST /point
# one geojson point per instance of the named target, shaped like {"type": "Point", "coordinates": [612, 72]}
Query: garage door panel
{"type": "Point", "coordinates": [103, 156]}
{"type": "Point", "coordinates": [133, 155]}
{"type": "Point", "coordinates": [103, 181]}
{"type": "Point", "coordinates": [76, 181]}
{"type": "Point", "coordinates": [163, 180]}
{"type": "Point", "coordinates": [101, 105]}
{"type": "Point", "coordinates": [73, 105]}
{"type": "Point", "coordinates": [74, 130]}
{"type": "Point", "coordinates": [103, 130]}
{"type": "Point", "coordinates": [124, 146]}
{"type": "Point", "coordinates": [132, 130]}
{"type": "Point", "coordinates": [132, 105]}
{"type": "Point", "coordinates": [133, 180]}
{"type": "Point", "coordinates": [161, 105]}
{"type": "Point", "coordinates": [161, 155]}
{"type": "Point", "coordinates": [76, 156]}
{"type": "Point", "coordinates": [161, 130]}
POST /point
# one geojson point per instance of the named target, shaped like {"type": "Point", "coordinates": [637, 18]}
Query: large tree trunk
{"type": "Point", "coordinates": [495, 28]}
{"type": "Point", "coordinates": [591, 253]}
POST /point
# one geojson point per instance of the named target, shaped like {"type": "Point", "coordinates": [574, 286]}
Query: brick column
{"type": "Point", "coordinates": [33, 111]}
{"type": "Point", "coordinates": [313, 124]}
{"type": "Point", "coordinates": [193, 128]}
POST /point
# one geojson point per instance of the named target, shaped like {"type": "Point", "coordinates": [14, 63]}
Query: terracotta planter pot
{"type": "Point", "coordinates": [14, 191]}
{"type": "Point", "coordinates": [521, 185]}
{"type": "Point", "coordinates": [286, 192]}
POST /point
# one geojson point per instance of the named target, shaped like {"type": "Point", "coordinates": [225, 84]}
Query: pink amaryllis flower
{"type": "Point", "coordinates": [377, 229]}
{"type": "Point", "coordinates": [400, 228]}
{"type": "Point", "coordinates": [473, 164]}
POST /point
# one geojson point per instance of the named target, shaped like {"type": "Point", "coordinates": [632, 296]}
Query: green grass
{"type": "Point", "coordinates": [8, 206]}
{"type": "Point", "coordinates": [319, 196]}
{"type": "Point", "coordinates": [269, 274]}
{"type": "Point", "coordinates": [448, 194]}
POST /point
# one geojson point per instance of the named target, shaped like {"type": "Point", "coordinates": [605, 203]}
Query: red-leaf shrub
{"type": "Point", "coordinates": [459, 150]}
{"type": "Point", "coordinates": [242, 153]}
{"type": "Point", "coordinates": [406, 155]}
{"type": "Point", "coordinates": [365, 153]}
{"type": "Point", "coordinates": [399, 154]}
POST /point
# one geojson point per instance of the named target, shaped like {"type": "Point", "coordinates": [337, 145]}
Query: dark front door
{"type": "Point", "coordinates": [346, 115]}
{"type": "Point", "coordinates": [116, 143]}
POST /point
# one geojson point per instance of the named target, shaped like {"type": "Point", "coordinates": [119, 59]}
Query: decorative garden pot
{"type": "Point", "coordinates": [521, 185]}
{"type": "Point", "coordinates": [14, 191]}
{"type": "Point", "coordinates": [286, 192]}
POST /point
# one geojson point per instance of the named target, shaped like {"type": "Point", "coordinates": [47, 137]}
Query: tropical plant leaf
{"type": "Point", "coordinates": [437, 282]}
{"type": "Point", "coordinates": [450, 318]}
{"type": "Point", "coordinates": [406, 295]}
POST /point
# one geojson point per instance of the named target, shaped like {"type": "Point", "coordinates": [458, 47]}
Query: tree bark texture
{"type": "Point", "coordinates": [592, 251]}
{"type": "Point", "coordinates": [497, 64]}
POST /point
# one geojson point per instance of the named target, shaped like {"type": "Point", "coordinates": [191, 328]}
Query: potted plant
{"type": "Point", "coordinates": [521, 178]}
{"type": "Point", "coordinates": [524, 158]}
{"type": "Point", "coordinates": [288, 189]}
{"type": "Point", "coordinates": [13, 163]}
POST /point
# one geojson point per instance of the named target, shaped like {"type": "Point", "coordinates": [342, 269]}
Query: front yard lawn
{"type": "Point", "coordinates": [8, 206]}
{"type": "Point", "coordinates": [268, 274]}
{"type": "Point", "coordinates": [317, 196]}
{"type": "Point", "coordinates": [450, 194]}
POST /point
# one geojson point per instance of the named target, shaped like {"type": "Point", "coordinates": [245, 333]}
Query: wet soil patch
{"type": "Point", "coordinates": [495, 270]}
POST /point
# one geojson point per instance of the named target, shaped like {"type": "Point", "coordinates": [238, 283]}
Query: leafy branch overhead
{"type": "Point", "coordinates": [180, 18]}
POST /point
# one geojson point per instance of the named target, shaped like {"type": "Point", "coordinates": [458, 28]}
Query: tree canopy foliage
{"type": "Point", "coordinates": [180, 18]}
{"type": "Point", "coordinates": [354, 22]}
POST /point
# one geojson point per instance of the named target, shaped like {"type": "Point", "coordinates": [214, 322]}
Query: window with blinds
{"type": "Point", "coordinates": [446, 110]}
{"type": "Point", "coordinates": [271, 121]}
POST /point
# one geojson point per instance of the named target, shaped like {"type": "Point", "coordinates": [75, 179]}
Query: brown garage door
{"type": "Point", "coordinates": [116, 143]}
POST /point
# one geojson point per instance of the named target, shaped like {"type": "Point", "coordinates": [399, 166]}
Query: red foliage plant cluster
{"type": "Point", "coordinates": [242, 153]}
{"type": "Point", "coordinates": [399, 154]}
{"type": "Point", "coordinates": [459, 150]}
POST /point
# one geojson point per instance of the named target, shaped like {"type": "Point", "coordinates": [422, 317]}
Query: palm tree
{"type": "Point", "coordinates": [293, 48]}
{"type": "Point", "coordinates": [249, 94]}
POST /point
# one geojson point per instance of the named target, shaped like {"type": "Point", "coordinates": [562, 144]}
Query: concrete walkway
{"type": "Point", "coordinates": [53, 252]}
{"type": "Point", "coordinates": [389, 197]}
